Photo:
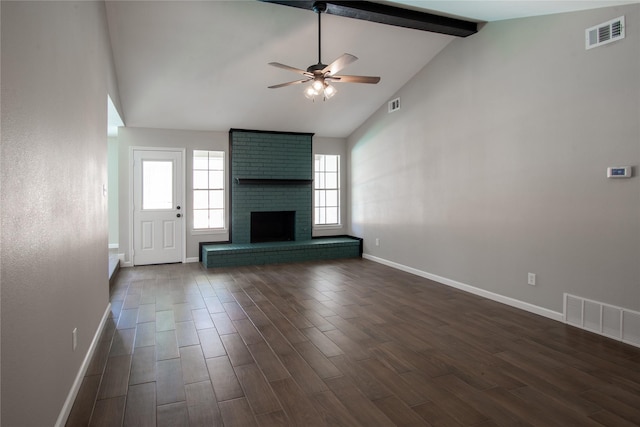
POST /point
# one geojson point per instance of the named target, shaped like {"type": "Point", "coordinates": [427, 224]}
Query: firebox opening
{"type": "Point", "coordinates": [273, 226]}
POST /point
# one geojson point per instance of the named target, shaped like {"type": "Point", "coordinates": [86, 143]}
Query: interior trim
{"type": "Point", "coordinates": [75, 387]}
{"type": "Point", "coordinates": [541, 311]}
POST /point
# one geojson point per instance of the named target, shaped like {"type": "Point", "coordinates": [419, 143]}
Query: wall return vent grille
{"type": "Point", "coordinates": [394, 105]}
{"type": "Point", "coordinates": [607, 32]}
{"type": "Point", "coordinates": [614, 322]}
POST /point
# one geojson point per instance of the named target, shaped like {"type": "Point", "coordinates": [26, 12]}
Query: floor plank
{"type": "Point", "coordinates": [83, 405]}
{"type": "Point", "coordinates": [116, 377]}
{"type": "Point", "coordinates": [237, 413]}
{"type": "Point", "coordinates": [169, 383]}
{"type": "Point", "coordinates": [140, 410]}
{"type": "Point", "coordinates": [257, 389]}
{"type": "Point", "coordinates": [108, 412]}
{"type": "Point", "coordinates": [223, 378]}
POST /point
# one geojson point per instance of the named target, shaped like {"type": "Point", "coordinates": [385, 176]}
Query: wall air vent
{"type": "Point", "coordinates": [604, 33]}
{"type": "Point", "coordinates": [614, 322]}
{"type": "Point", "coordinates": [394, 105]}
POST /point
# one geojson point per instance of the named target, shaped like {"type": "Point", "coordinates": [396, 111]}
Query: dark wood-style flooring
{"type": "Point", "coordinates": [341, 343]}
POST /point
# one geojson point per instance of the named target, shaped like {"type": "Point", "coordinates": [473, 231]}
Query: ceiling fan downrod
{"type": "Point", "coordinates": [320, 7]}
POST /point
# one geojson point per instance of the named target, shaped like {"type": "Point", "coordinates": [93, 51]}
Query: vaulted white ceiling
{"type": "Point", "coordinates": [202, 65]}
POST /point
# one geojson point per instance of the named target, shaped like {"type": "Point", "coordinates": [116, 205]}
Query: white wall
{"type": "Point", "coordinates": [167, 138]}
{"type": "Point", "coordinates": [55, 80]}
{"type": "Point", "coordinates": [495, 165]}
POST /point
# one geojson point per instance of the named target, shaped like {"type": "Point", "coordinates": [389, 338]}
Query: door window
{"type": "Point", "coordinates": [157, 184]}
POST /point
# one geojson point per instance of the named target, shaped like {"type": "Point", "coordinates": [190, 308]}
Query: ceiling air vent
{"type": "Point", "coordinates": [394, 105]}
{"type": "Point", "coordinates": [605, 33]}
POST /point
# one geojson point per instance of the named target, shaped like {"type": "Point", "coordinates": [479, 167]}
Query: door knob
{"type": "Point", "coordinates": [178, 215]}
{"type": "Point", "coordinates": [178, 207]}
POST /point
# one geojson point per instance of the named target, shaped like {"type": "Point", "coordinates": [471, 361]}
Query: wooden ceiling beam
{"type": "Point", "coordinates": [391, 15]}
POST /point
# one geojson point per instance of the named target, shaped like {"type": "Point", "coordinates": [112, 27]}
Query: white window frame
{"type": "Point", "coordinates": [214, 230]}
{"type": "Point", "coordinates": [320, 185]}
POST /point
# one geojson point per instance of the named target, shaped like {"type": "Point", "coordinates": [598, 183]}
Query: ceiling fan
{"type": "Point", "coordinates": [321, 75]}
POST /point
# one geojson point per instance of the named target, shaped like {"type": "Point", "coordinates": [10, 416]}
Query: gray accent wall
{"type": "Point", "coordinates": [495, 165]}
{"type": "Point", "coordinates": [56, 73]}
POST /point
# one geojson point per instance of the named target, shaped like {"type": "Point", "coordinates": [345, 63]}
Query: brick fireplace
{"type": "Point", "coordinates": [270, 172]}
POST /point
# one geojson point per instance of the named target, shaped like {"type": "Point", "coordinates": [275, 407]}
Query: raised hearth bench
{"type": "Point", "coordinates": [237, 254]}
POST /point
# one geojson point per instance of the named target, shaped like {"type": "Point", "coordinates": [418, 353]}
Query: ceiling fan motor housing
{"type": "Point", "coordinates": [317, 67]}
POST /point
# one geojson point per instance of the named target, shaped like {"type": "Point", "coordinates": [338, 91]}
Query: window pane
{"type": "Point", "coordinates": [320, 216]}
{"type": "Point", "coordinates": [216, 179]}
{"type": "Point", "coordinates": [216, 218]}
{"type": "Point", "coordinates": [200, 199]}
{"type": "Point", "coordinates": [200, 180]}
{"type": "Point", "coordinates": [216, 199]}
{"type": "Point", "coordinates": [216, 163]}
{"type": "Point", "coordinates": [331, 198]}
{"type": "Point", "coordinates": [200, 159]}
{"type": "Point", "coordinates": [322, 198]}
{"type": "Point", "coordinates": [332, 216]}
{"type": "Point", "coordinates": [331, 180]}
{"type": "Point", "coordinates": [200, 219]}
{"type": "Point", "coordinates": [331, 163]}
{"type": "Point", "coordinates": [157, 184]}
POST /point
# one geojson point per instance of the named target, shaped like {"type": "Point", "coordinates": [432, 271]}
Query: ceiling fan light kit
{"type": "Point", "coordinates": [319, 88]}
{"type": "Point", "coordinates": [320, 75]}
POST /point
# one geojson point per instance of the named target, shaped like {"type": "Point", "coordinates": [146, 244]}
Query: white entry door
{"type": "Point", "coordinates": [158, 207]}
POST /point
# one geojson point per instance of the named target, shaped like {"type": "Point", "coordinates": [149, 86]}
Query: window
{"type": "Point", "coordinates": [327, 189]}
{"type": "Point", "coordinates": [208, 189]}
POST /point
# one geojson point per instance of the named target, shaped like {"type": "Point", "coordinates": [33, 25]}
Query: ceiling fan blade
{"type": "Point", "coordinates": [339, 64]}
{"type": "Point", "coordinates": [289, 83]}
{"type": "Point", "coordinates": [355, 79]}
{"type": "Point", "coordinates": [286, 67]}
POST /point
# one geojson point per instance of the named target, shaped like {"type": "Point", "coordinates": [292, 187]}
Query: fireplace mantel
{"type": "Point", "coordinates": [272, 181]}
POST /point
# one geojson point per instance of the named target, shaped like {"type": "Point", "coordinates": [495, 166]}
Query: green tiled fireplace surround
{"type": "Point", "coordinates": [272, 172]}
{"type": "Point", "coordinates": [282, 158]}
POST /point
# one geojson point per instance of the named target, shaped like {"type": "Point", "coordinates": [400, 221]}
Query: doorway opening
{"type": "Point", "coordinates": [113, 122]}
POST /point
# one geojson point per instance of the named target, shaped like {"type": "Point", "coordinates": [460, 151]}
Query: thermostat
{"type": "Point", "coordinates": [619, 172]}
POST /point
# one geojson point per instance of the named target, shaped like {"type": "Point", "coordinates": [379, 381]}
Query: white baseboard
{"type": "Point", "coordinates": [541, 311]}
{"type": "Point", "coordinates": [123, 263]}
{"type": "Point", "coordinates": [73, 393]}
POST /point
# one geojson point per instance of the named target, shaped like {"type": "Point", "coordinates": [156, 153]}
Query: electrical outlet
{"type": "Point", "coordinates": [377, 242]}
{"type": "Point", "coordinates": [74, 338]}
{"type": "Point", "coordinates": [531, 279]}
